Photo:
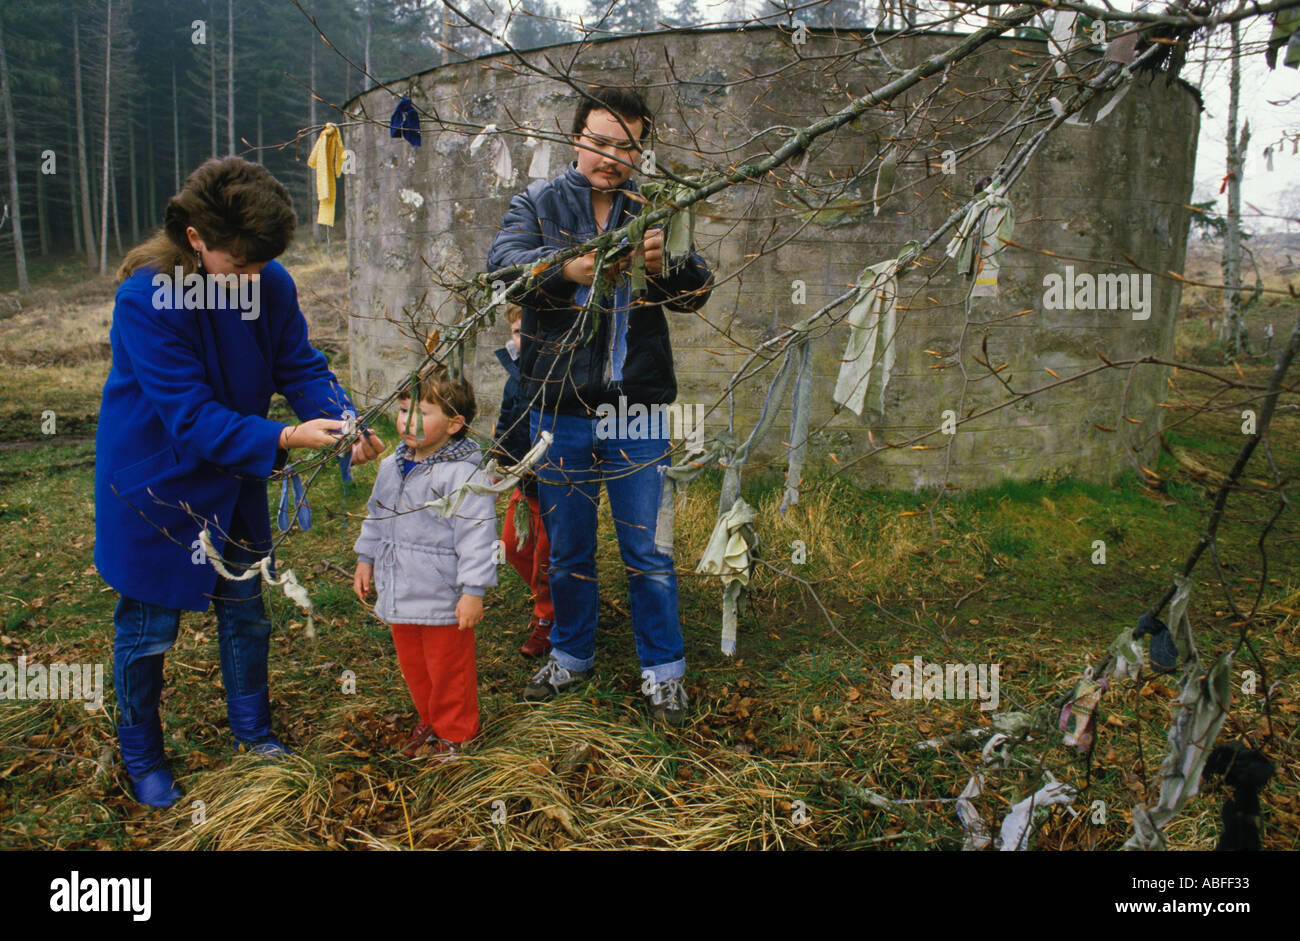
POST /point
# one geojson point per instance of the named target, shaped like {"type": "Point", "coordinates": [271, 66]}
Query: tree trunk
{"type": "Point", "coordinates": [1234, 323]}
{"type": "Point", "coordinates": [365, 79]}
{"type": "Point", "coordinates": [212, 88]}
{"type": "Point", "coordinates": [130, 165]}
{"type": "Point", "coordinates": [103, 195]}
{"type": "Point", "coordinates": [230, 73]}
{"type": "Point", "coordinates": [258, 155]}
{"type": "Point", "coordinates": [176, 135]}
{"type": "Point", "coordinates": [20, 259]}
{"type": "Point", "coordinates": [150, 178]}
{"type": "Point", "coordinates": [117, 227]}
{"type": "Point", "coordinates": [42, 223]}
{"type": "Point", "coordinates": [311, 123]}
{"type": "Point", "coordinates": [83, 157]}
{"type": "Point", "coordinates": [74, 202]}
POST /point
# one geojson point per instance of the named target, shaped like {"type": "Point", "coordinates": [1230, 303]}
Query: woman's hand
{"type": "Point", "coordinates": [368, 447]}
{"type": "Point", "coordinates": [310, 434]}
{"type": "Point", "coordinates": [361, 580]}
{"type": "Point", "coordinates": [469, 611]}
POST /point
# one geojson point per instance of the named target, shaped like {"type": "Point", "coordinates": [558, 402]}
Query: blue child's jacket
{"type": "Point", "coordinates": [183, 436]}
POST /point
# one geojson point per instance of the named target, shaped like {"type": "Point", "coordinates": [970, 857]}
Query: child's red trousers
{"type": "Point", "coordinates": [533, 561]}
{"type": "Point", "coordinates": [438, 666]}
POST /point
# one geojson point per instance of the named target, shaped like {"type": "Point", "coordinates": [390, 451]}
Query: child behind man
{"type": "Point", "coordinates": [431, 571]}
{"type": "Point", "coordinates": [532, 559]}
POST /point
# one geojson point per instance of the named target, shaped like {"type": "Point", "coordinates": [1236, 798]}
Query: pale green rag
{"type": "Point", "coordinates": [877, 297]}
{"type": "Point", "coordinates": [994, 231]}
{"type": "Point", "coordinates": [727, 555]}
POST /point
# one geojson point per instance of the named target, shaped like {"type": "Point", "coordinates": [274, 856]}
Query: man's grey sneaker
{"type": "Point", "coordinates": [667, 702]}
{"type": "Point", "coordinates": [552, 679]}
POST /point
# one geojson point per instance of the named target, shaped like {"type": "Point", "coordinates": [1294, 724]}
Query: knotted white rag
{"type": "Point", "coordinates": [1017, 824]}
{"type": "Point", "coordinates": [540, 166]}
{"type": "Point", "coordinates": [292, 589]}
{"type": "Point", "coordinates": [978, 246]}
{"type": "Point", "coordinates": [1199, 713]}
{"type": "Point", "coordinates": [876, 300]}
{"type": "Point", "coordinates": [727, 555]}
{"type": "Point", "coordinates": [448, 505]}
{"type": "Point", "coordinates": [502, 165]}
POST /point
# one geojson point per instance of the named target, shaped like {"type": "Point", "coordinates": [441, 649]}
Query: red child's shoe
{"type": "Point", "coordinates": [442, 750]}
{"type": "Point", "coordinates": [539, 641]}
{"type": "Point", "coordinates": [420, 735]}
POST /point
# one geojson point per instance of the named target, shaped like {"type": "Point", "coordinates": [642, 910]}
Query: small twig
{"type": "Point", "coordinates": [93, 761]}
{"type": "Point", "coordinates": [980, 587]}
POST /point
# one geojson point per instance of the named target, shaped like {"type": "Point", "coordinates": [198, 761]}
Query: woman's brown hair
{"type": "Point", "coordinates": [236, 206]}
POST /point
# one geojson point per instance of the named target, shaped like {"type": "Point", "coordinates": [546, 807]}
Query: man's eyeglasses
{"type": "Point", "coordinates": [605, 143]}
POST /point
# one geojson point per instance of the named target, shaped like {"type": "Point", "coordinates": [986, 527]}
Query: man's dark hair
{"type": "Point", "coordinates": [627, 103]}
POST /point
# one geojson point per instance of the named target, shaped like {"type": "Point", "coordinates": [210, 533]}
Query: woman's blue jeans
{"type": "Point", "coordinates": [569, 479]}
{"type": "Point", "coordinates": [144, 633]}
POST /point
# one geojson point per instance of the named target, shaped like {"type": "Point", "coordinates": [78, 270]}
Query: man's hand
{"type": "Point", "coordinates": [469, 611]}
{"type": "Point", "coordinates": [361, 580]}
{"type": "Point", "coordinates": [654, 251]}
{"type": "Point", "coordinates": [368, 447]}
{"type": "Point", "coordinates": [581, 270]}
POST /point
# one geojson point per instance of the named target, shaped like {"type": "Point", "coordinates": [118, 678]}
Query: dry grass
{"type": "Point", "coordinates": [252, 803]}
{"type": "Point", "coordinates": [568, 776]}
{"type": "Point", "coordinates": [564, 775]}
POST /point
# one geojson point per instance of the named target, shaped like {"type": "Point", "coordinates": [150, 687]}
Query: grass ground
{"type": "Point", "coordinates": [790, 743]}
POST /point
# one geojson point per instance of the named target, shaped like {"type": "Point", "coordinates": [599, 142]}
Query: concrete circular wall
{"type": "Point", "coordinates": [1089, 193]}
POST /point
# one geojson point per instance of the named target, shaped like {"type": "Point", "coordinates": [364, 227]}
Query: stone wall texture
{"type": "Point", "coordinates": [1093, 194]}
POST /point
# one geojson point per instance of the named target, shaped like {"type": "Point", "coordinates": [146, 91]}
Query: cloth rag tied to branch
{"type": "Point", "coordinates": [448, 505]}
{"type": "Point", "coordinates": [981, 237]}
{"type": "Point", "coordinates": [326, 159]}
{"type": "Point", "coordinates": [728, 555]}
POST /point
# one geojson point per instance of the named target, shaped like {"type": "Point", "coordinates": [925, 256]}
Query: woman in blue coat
{"type": "Point", "coordinates": [184, 443]}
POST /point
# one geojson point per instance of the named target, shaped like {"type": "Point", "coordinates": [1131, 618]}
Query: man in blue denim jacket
{"type": "Point", "coordinates": [568, 370]}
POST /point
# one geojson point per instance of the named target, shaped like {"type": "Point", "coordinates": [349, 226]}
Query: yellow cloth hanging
{"type": "Point", "coordinates": [327, 160]}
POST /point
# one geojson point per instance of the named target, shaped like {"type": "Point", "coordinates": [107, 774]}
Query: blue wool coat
{"type": "Point", "coordinates": [183, 421]}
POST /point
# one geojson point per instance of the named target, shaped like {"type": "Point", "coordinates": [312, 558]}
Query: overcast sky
{"type": "Point", "coordinates": [1271, 102]}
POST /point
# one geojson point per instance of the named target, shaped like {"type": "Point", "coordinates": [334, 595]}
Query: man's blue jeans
{"type": "Point", "coordinates": [569, 479]}
{"type": "Point", "coordinates": [144, 632]}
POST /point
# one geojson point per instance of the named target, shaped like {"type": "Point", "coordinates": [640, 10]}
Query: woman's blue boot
{"type": "Point", "coordinates": [142, 755]}
{"type": "Point", "coordinates": [250, 721]}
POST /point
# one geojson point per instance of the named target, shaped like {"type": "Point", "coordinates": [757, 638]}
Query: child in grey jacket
{"type": "Point", "coordinates": [430, 571]}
